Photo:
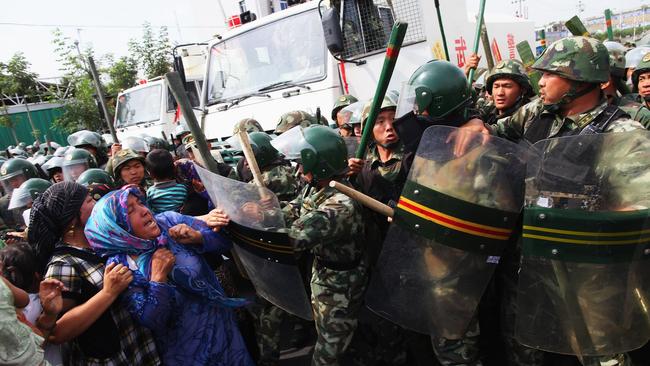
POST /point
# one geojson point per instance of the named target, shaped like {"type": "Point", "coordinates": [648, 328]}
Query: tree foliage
{"type": "Point", "coordinates": [122, 74]}
{"type": "Point", "coordinates": [80, 109]}
{"type": "Point", "coordinates": [153, 51]}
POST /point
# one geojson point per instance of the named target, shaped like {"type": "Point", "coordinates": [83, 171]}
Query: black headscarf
{"type": "Point", "coordinates": [51, 214]}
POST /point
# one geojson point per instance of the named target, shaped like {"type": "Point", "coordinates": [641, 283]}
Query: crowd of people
{"type": "Point", "coordinates": [116, 254]}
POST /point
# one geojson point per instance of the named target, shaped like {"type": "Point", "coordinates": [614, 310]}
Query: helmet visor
{"type": "Point", "coordinates": [350, 115]}
{"type": "Point", "coordinates": [73, 169]}
{"type": "Point", "coordinates": [20, 197]}
{"type": "Point", "coordinates": [136, 144]}
{"type": "Point", "coordinates": [634, 56]}
{"type": "Point", "coordinates": [12, 181]}
{"type": "Point", "coordinates": [288, 143]}
{"type": "Point", "coordinates": [406, 102]}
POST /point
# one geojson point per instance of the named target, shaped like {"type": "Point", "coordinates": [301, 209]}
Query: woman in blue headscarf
{"type": "Point", "coordinates": [187, 310]}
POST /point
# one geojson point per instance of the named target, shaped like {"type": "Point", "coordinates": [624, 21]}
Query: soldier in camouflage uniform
{"type": "Point", "coordinates": [509, 88]}
{"type": "Point", "coordinates": [343, 101]}
{"type": "Point", "coordinates": [570, 103]}
{"type": "Point", "coordinates": [382, 176]}
{"type": "Point", "coordinates": [13, 173]}
{"type": "Point", "coordinates": [641, 81]}
{"type": "Point", "coordinates": [296, 118]}
{"type": "Point", "coordinates": [278, 177]}
{"type": "Point", "coordinates": [328, 224]}
{"type": "Point", "coordinates": [616, 90]}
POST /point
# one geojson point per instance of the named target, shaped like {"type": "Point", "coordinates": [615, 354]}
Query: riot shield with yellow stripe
{"type": "Point", "coordinates": [456, 214]}
{"type": "Point", "coordinates": [584, 278]}
{"type": "Point", "coordinates": [261, 241]}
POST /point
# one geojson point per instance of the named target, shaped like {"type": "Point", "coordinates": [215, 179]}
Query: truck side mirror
{"type": "Point", "coordinates": [332, 31]}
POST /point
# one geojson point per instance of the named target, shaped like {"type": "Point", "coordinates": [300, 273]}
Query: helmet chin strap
{"type": "Point", "coordinates": [569, 97]}
{"type": "Point", "coordinates": [389, 146]}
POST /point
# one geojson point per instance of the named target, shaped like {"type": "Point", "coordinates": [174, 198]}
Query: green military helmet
{"type": "Point", "coordinates": [641, 68]}
{"type": "Point", "coordinates": [16, 171]}
{"type": "Point", "coordinates": [616, 57]}
{"type": "Point", "coordinates": [95, 175]}
{"type": "Point", "coordinates": [247, 124]}
{"type": "Point", "coordinates": [11, 147]}
{"type": "Point", "coordinates": [633, 57]}
{"type": "Point", "coordinates": [28, 192]}
{"type": "Point", "coordinates": [122, 157]}
{"type": "Point", "coordinates": [322, 152]}
{"type": "Point", "coordinates": [576, 58]}
{"type": "Point", "coordinates": [293, 119]}
{"type": "Point", "coordinates": [264, 152]}
{"type": "Point", "coordinates": [22, 145]}
{"type": "Point", "coordinates": [86, 138]}
{"type": "Point", "coordinates": [135, 143]}
{"type": "Point", "coordinates": [155, 143]}
{"type": "Point", "coordinates": [509, 69]}
{"type": "Point", "coordinates": [17, 152]}
{"type": "Point", "coordinates": [342, 102]}
{"type": "Point", "coordinates": [75, 162]}
{"type": "Point", "coordinates": [438, 87]}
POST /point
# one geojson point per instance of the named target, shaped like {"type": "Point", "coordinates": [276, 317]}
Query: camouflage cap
{"type": "Point", "coordinates": [122, 157]}
{"type": "Point", "coordinates": [576, 58]}
{"type": "Point", "coordinates": [509, 69]}
{"type": "Point", "coordinates": [342, 102]}
{"type": "Point", "coordinates": [641, 68]}
{"type": "Point", "coordinates": [249, 125]}
{"type": "Point", "coordinates": [293, 119]}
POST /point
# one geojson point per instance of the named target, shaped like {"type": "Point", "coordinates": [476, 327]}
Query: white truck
{"type": "Point", "coordinates": [281, 63]}
{"type": "Point", "coordinates": [150, 108]}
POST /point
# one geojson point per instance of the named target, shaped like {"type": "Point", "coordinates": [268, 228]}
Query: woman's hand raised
{"type": "Point", "coordinates": [162, 263]}
{"type": "Point", "coordinates": [184, 234]}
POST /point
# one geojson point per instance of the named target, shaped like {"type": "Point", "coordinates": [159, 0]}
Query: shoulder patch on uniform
{"type": "Point", "coordinates": [646, 58]}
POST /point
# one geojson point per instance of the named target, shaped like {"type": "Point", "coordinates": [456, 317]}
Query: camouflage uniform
{"type": "Point", "coordinates": [571, 58]}
{"type": "Point", "coordinates": [329, 225]}
{"type": "Point", "coordinates": [280, 180]}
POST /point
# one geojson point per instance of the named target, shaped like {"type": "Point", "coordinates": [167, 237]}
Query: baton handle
{"type": "Point", "coordinates": [365, 200]}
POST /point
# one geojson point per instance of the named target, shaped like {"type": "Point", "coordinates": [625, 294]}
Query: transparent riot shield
{"type": "Point", "coordinates": [453, 220]}
{"type": "Point", "coordinates": [583, 284]}
{"type": "Point", "coordinates": [351, 144]}
{"type": "Point", "coordinates": [261, 241]}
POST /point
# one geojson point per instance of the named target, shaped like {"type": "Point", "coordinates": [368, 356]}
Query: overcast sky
{"type": "Point", "coordinates": [108, 25]}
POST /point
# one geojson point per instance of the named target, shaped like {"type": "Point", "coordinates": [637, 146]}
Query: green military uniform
{"type": "Point", "coordinates": [278, 177]}
{"type": "Point", "coordinates": [329, 225]}
{"type": "Point", "coordinates": [581, 59]}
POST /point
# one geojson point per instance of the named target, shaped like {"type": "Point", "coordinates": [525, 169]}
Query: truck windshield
{"type": "Point", "coordinates": [139, 106]}
{"type": "Point", "coordinates": [291, 50]}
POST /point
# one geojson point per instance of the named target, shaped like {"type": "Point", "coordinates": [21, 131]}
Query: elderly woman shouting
{"type": "Point", "coordinates": [184, 305]}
